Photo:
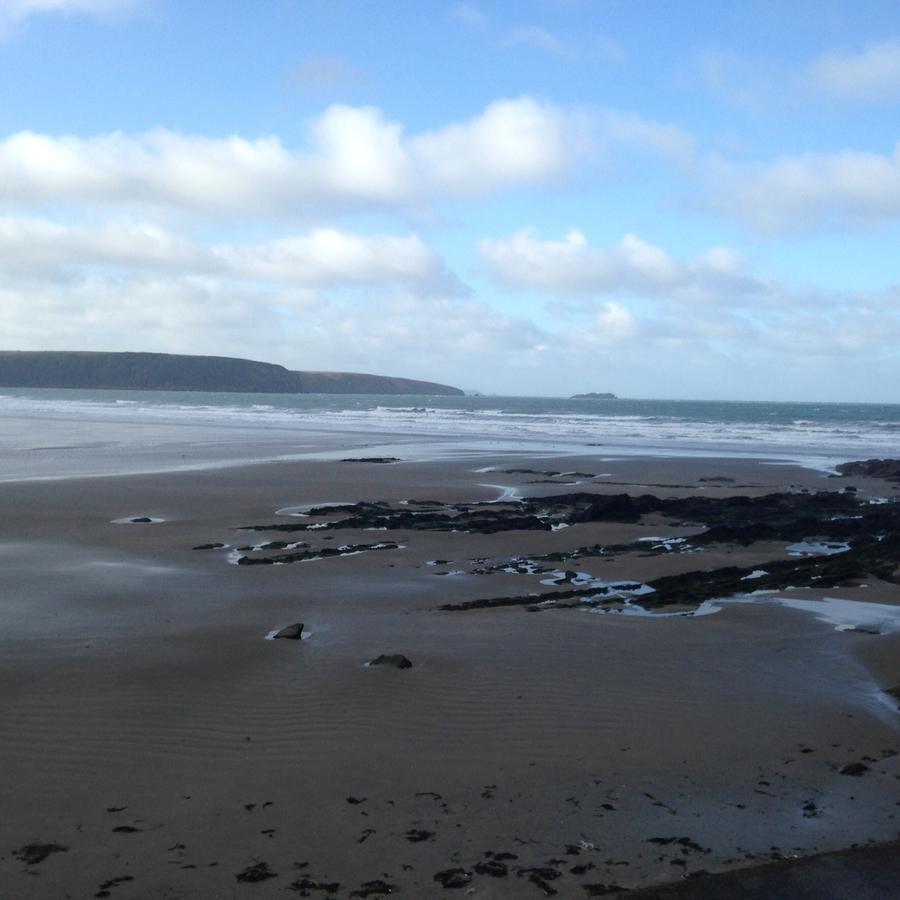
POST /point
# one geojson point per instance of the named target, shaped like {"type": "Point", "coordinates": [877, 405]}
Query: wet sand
{"type": "Point", "coordinates": [151, 731]}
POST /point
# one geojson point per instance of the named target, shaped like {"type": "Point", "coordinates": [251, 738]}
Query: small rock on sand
{"type": "Point", "coordinates": [856, 769]}
{"type": "Point", "coordinates": [290, 632]}
{"type": "Point", "coordinates": [397, 660]}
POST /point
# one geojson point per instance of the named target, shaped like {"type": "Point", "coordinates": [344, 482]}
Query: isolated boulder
{"type": "Point", "coordinates": [397, 660]}
{"type": "Point", "coordinates": [290, 632]}
{"type": "Point", "coordinates": [856, 769]}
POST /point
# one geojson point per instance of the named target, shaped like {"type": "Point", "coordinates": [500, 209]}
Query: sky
{"type": "Point", "coordinates": [542, 197]}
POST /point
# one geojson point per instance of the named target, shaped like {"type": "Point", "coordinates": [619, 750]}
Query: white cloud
{"type": "Point", "coordinates": [388, 333]}
{"type": "Point", "coordinates": [358, 154]}
{"type": "Point", "coordinates": [469, 14]}
{"type": "Point", "coordinates": [15, 11]}
{"type": "Point", "coordinates": [573, 267]}
{"type": "Point", "coordinates": [513, 141]}
{"type": "Point", "coordinates": [637, 310]}
{"type": "Point", "coordinates": [22, 8]}
{"type": "Point", "coordinates": [328, 257]}
{"type": "Point", "coordinates": [631, 130]}
{"type": "Point", "coordinates": [159, 167]}
{"type": "Point", "coordinates": [870, 76]}
{"type": "Point", "coordinates": [537, 39]}
{"type": "Point", "coordinates": [436, 328]}
{"type": "Point", "coordinates": [320, 73]}
{"type": "Point", "coordinates": [755, 84]}
{"type": "Point", "coordinates": [810, 192]}
{"type": "Point", "coordinates": [609, 49]}
{"type": "Point", "coordinates": [608, 326]}
{"type": "Point", "coordinates": [354, 157]}
{"type": "Point", "coordinates": [404, 328]}
{"type": "Point", "coordinates": [524, 260]}
{"type": "Point", "coordinates": [180, 315]}
{"type": "Point", "coordinates": [39, 249]}
{"type": "Point", "coordinates": [588, 46]}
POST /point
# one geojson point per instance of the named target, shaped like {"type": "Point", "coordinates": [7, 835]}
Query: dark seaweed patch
{"type": "Point", "coordinates": [259, 871]}
{"type": "Point", "coordinates": [32, 854]}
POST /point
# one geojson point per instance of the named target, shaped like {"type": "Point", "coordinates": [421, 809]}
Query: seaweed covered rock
{"type": "Point", "coordinates": [888, 469]}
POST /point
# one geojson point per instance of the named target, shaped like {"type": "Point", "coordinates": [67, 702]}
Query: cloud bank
{"type": "Point", "coordinates": [322, 258]}
{"type": "Point", "coordinates": [850, 189]}
{"type": "Point", "coordinates": [354, 157]}
{"type": "Point", "coordinates": [869, 76]}
{"type": "Point", "coordinates": [632, 266]}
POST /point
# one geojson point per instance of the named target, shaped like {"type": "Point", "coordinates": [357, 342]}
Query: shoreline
{"type": "Point", "coordinates": [85, 438]}
{"type": "Point", "coordinates": [65, 457]}
{"type": "Point", "coordinates": [568, 739]}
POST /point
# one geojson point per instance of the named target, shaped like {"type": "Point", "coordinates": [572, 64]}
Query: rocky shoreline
{"type": "Point", "coordinates": [864, 534]}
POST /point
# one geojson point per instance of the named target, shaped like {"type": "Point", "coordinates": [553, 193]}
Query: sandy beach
{"type": "Point", "coordinates": [155, 744]}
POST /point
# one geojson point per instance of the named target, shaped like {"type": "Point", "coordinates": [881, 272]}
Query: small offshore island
{"type": "Point", "coordinates": [593, 395]}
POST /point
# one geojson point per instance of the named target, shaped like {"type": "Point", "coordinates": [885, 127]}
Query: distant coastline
{"type": "Point", "coordinates": [176, 372]}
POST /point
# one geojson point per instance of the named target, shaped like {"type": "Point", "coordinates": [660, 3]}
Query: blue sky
{"type": "Point", "coordinates": [684, 200]}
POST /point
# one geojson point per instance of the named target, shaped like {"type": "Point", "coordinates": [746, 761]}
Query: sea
{"type": "Point", "coordinates": [826, 431]}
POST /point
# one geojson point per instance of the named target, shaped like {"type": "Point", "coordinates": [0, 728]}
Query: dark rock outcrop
{"type": "Point", "coordinates": [477, 519]}
{"type": "Point", "coordinates": [871, 534]}
{"type": "Point", "coordinates": [306, 555]}
{"type": "Point", "coordinates": [860, 539]}
{"type": "Point", "coordinates": [738, 519]}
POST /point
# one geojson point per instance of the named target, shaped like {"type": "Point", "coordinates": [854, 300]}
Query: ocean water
{"type": "Point", "coordinates": [820, 430]}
